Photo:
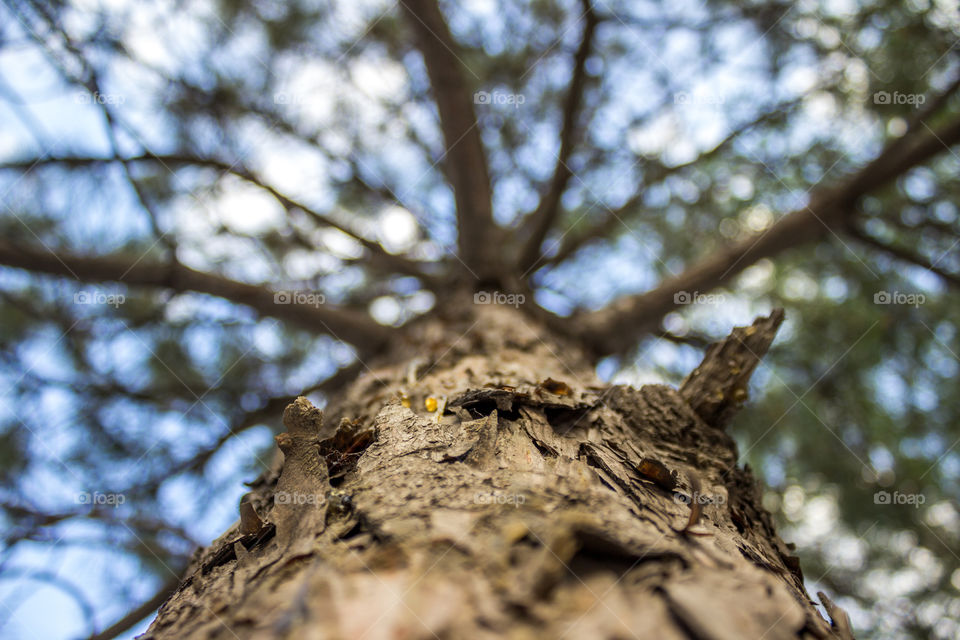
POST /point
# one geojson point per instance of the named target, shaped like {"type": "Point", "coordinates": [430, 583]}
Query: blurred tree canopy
{"type": "Point", "coordinates": [168, 168]}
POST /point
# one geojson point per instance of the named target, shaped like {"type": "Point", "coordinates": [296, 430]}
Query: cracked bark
{"type": "Point", "coordinates": [541, 503]}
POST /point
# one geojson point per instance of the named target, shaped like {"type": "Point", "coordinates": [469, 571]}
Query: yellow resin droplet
{"type": "Point", "coordinates": [431, 404]}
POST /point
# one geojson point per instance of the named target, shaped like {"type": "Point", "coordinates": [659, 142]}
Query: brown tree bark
{"type": "Point", "coordinates": [533, 502]}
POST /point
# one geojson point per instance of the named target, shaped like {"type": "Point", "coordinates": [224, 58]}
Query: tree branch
{"type": "Point", "coordinates": [619, 325]}
{"type": "Point", "coordinates": [545, 215]}
{"type": "Point", "coordinates": [140, 612]}
{"type": "Point", "coordinates": [903, 254]}
{"type": "Point", "coordinates": [89, 80]}
{"type": "Point", "coordinates": [377, 253]}
{"type": "Point", "coordinates": [465, 158]}
{"type": "Point", "coordinates": [348, 325]}
{"type": "Point", "coordinates": [695, 341]}
{"type": "Point", "coordinates": [658, 173]}
{"type": "Point", "coordinates": [275, 119]}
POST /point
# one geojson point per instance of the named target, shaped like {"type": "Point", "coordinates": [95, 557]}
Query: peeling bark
{"type": "Point", "coordinates": [534, 502]}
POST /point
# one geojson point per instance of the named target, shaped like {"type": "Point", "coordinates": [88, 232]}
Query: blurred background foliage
{"type": "Point", "coordinates": [703, 122]}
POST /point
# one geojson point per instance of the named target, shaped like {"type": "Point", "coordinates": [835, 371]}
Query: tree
{"type": "Point", "coordinates": [523, 509]}
{"type": "Point", "coordinates": [506, 399]}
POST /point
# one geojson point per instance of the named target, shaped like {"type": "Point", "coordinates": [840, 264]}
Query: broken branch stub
{"type": "Point", "coordinates": [717, 388]}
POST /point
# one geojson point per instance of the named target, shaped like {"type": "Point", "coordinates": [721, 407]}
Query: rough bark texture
{"type": "Point", "coordinates": [534, 502]}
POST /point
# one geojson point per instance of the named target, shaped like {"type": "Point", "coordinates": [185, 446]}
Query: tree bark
{"type": "Point", "coordinates": [533, 502]}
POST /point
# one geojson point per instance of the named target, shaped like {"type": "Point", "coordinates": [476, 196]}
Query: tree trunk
{"type": "Point", "coordinates": [533, 502]}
